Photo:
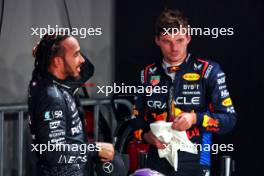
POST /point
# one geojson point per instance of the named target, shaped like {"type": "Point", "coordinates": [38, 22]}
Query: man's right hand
{"type": "Point", "coordinates": [106, 152]}
{"type": "Point", "coordinates": [153, 140]}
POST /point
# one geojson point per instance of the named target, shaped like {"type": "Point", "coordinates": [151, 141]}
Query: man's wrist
{"type": "Point", "coordinates": [194, 118]}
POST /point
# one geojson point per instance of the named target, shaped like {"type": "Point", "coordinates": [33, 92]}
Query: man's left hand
{"type": "Point", "coordinates": [184, 121]}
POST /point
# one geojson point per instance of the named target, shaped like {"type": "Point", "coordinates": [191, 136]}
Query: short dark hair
{"type": "Point", "coordinates": [48, 48]}
{"type": "Point", "coordinates": [170, 19]}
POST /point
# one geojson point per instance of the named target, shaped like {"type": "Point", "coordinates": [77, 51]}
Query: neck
{"type": "Point", "coordinates": [178, 62]}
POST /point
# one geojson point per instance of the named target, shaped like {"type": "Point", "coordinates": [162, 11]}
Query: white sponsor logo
{"type": "Point", "coordinates": [191, 93]}
{"type": "Point", "coordinates": [73, 106]}
{"type": "Point", "coordinates": [142, 77]}
{"type": "Point", "coordinates": [108, 167]}
{"type": "Point", "coordinates": [156, 104]}
{"type": "Point", "coordinates": [221, 80]}
{"type": "Point", "coordinates": [231, 109]}
{"type": "Point", "coordinates": [191, 86]}
{"type": "Point", "coordinates": [185, 101]}
{"type": "Point", "coordinates": [208, 71]}
{"type": "Point", "coordinates": [72, 159]}
{"type": "Point", "coordinates": [57, 140]}
{"type": "Point", "coordinates": [54, 125]}
{"type": "Point", "coordinates": [220, 74]}
{"type": "Point", "coordinates": [77, 129]}
{"type": "Point", "coordinates": [58, 114]}
{"type": "Point", "coordinates": [76, 113]}
{"type": "Point", "coordinates": [197, 67]}
{"type": "Point", "coordinates": [152, 70]}
{"type": "Point", "coordinates": [222, 87]}
{"type": "Point", "coordinates": [224, 93]}
{"type": "Point", "coordinates": [56, 134]}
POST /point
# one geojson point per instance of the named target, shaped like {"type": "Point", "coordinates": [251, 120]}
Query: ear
{"type": "Point", "coordinates": [189, 38]}
{"type": "Point", "coordinates": [57, 61]}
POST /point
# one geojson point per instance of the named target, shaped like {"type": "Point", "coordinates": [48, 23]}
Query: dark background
{"type": "Point", "coordinates": [239, 55]}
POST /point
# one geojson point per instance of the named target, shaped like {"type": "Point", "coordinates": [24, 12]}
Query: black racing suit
{"type": "Point", "coordinates": [54, 118]}
{"type": "Point", "coordinates": [199, 86]}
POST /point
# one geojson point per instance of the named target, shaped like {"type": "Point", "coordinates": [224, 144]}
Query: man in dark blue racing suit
{"type": "Point", "coordinates": [191, 92]}
{"type": "Point", "coordinates": [54, 115]}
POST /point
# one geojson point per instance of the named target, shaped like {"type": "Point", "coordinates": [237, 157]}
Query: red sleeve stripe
{"type": "Point", "coordinates": [205, 65]}
{"type": "Point", "coordinates": [146, 72]}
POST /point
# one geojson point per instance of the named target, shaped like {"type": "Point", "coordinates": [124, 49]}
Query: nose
{"type": "Point", "coordinates": [174, 46]}
{"type": "Point", "coordinates": [81, 59]}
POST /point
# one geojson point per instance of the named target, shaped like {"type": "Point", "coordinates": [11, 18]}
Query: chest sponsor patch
{"type": "Point", "coordinates": [227, 102]}
{"type": "Point", "coordinates": [191, 76]}
{"type": "Point", "coordinates": [47, 116]}
{"type": "Point", "coordinates": [156, 104]}
{"type": "Point", "coordinates": [54, 125]}
{"type": "Point", "coordinates": [154, 80]}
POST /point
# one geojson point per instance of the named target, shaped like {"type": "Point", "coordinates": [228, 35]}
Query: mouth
{"type": "Point", "coordinates": [174, 54]}
{"type": "Point", "coordinates": [79, 69]}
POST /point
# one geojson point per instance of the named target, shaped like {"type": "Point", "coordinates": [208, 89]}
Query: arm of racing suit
{"type": "Point", "coordinates": [52, 131]}
{"type": "Point", "coordinates": [221, 117]}
{"type": "Point", "coordinates": [138, 122]}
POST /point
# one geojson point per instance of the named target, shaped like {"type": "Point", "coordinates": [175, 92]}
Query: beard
{"type": "Point", "coordinates": [69, 72]}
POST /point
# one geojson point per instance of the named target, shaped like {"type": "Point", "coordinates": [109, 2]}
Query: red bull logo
{"type": "Point", "coordinates": [173, 69]}
{"type": "Point", "coordinates": [210, 122]}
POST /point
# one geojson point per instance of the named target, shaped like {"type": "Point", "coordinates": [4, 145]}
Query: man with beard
{"type": "Point", "coordinates": [54, 115]}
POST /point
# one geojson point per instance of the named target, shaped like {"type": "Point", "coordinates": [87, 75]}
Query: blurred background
{"type": "Point", "coordinates": [126, 46]}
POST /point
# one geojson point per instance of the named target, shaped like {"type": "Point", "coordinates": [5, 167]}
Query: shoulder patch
{"type": "Point", "coordinates": [197, 66]}
{"type": "Point", "coordinates": [152, 70]}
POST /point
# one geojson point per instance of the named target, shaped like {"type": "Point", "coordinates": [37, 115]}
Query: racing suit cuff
{"type": "Point", "coordinates": [199, 118]}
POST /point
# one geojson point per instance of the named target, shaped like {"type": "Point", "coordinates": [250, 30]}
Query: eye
{"type": "Point", "coordinates": [77, 54]}
{"type": "Point", "coordinates": [179, 40]}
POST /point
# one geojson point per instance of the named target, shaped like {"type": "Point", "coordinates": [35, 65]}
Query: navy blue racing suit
{"type": "Point", "coordinates": [55, 119]}
{"type": "Point", "coordinates": [199, 86]}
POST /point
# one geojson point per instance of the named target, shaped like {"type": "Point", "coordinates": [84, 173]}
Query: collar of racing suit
{"type": "Point", "coordinates": [67, 84]}
{"type": "Point", "coordinates": [163, 66]}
